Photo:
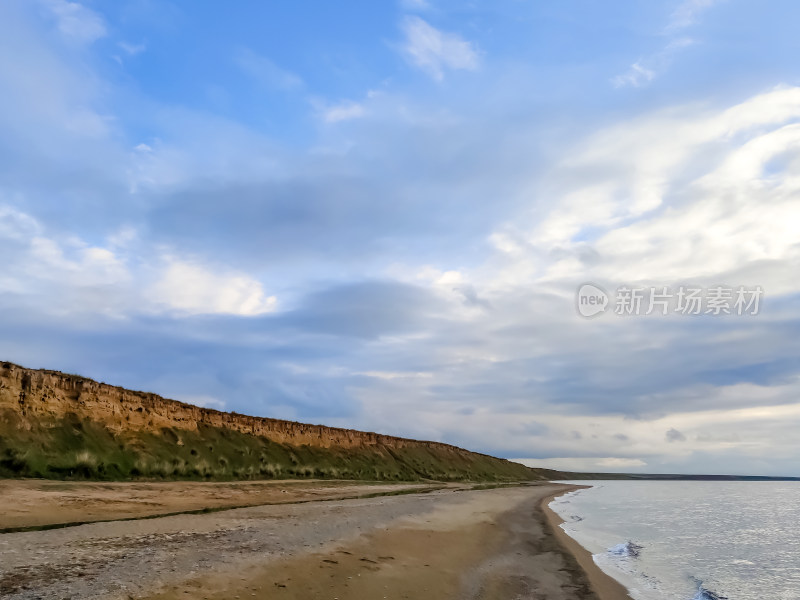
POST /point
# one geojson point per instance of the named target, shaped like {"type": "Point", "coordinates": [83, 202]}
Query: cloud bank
{"type": "Point", "coordinates": [405, 262]}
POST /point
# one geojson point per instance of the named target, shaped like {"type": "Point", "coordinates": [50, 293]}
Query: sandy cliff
{"type": "Point", "coordinates": [40, 393]}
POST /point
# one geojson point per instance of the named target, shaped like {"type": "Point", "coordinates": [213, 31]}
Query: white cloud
{"type": "Point", "coordinates": [17, 225]}
{"type": "Point", "coordinates": [583, 464]}
{"type": "Point", "coordinates": [123, 237]}
{"type": "Point", "coordinates": [191, 288]}
{"type": "Point", "coordinates": [88, 124]}
{"type": "Point", "coordinates": [50, 105]}
{"type": "Point", "coordinates": [343, 111]}
{"type": "Point", "coordinates": [415, 5]}
{"type": "Point", "coordinates": [645, 199]}
{"type": "Point", "coordinates": [389, 375]}
{"type": "Point", "coordinates": [612, 442]}
{"type": "Point", "coordinates": [620, 463]}
{"type": "Point", "coordinates": [132, 49]}
{"type": "Point", "coordinates": [683, 193]}
{"type": "Point", "coordinates": [76, 278]}
{"type": "Point", "coordinates": [688, 12]}
{"type": "Point", "coordinates": [75, 21]}
{"type": "Point", "coordinates": [434, 51]}
{"type": "Point", "coordinates": [265, 72]}
{"type": "Point", "coordinates": [637, 76]}
{"type": "Point", "coordinates": [645, 70]}
{"type": "Point", "coordinates": [60, 276]}
{"type": "Point", "coordinates": [238, 153]}
{"type": "Point", "coordinates": [75, 263]}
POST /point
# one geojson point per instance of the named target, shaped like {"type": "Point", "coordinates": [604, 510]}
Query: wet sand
{"type": "Point", "coordinates": [606, 587]}
{"type": "Point", "coordinates": [450, 543]}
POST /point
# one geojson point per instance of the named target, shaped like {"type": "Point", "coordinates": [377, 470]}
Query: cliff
{"type": "Point", "coordinates": [54, 424]}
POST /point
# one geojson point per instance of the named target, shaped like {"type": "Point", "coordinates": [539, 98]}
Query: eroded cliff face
{"type": "Point", "coordinates": [35, 395]}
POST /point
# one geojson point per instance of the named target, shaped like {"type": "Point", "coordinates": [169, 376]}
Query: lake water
{"type": "Point", "coordinates": [684, 540]}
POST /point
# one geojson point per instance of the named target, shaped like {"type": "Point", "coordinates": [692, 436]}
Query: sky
{"type": "Point", "coordinates": [376, 215]}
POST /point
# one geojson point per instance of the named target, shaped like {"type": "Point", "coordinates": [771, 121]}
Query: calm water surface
{"type": "Point", "coordinates": [679, 540]}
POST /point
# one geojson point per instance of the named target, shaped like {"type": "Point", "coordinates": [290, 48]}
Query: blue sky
{"type": "Point", "coordinates": [376, 215]}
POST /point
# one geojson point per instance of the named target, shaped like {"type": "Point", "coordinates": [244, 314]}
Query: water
{"type": "Point", "coordinates": [685, 540]}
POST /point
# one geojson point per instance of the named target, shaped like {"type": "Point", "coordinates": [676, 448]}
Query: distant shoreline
{"type": "Point", "coordinates": [666, 477]}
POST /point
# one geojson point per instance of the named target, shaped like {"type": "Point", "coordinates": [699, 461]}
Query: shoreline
{"type": "Point", "coordinates": [605, 586]}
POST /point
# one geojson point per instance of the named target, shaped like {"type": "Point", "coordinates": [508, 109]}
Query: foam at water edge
{"type": "Point", "coordinates": [704, 594]}
{"type": "Point", "coordinates": [627, 549]}
{"type": "Point", "coordinates": [617, 561]}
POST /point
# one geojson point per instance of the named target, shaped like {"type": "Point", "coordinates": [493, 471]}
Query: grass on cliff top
{"type": "Point", "coordinates": [73, 448]}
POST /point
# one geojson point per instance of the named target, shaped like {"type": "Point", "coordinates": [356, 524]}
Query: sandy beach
{"type": "Point", "coordinates": [446, 543]}
{"type": "Point", "coordinates": [39, 503]}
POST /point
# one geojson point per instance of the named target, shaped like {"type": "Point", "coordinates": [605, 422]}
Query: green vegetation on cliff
{"type": "Point", "coordinates": [79, 448]}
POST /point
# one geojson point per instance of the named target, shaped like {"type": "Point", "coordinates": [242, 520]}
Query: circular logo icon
{"type": "Point", "coordinates": [591, 300]}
